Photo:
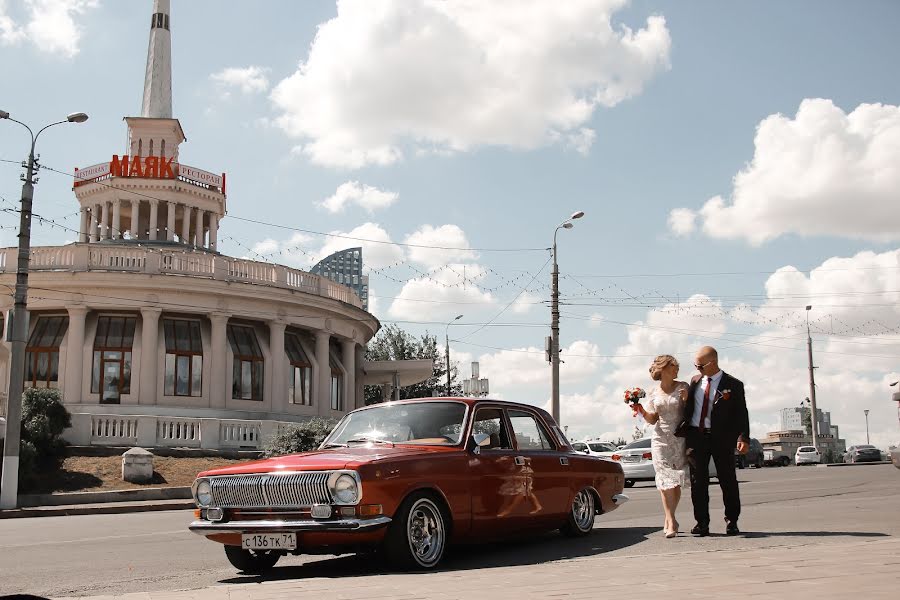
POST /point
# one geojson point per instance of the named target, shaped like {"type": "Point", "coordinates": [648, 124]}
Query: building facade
{"type": "Point", "coordinates": [792, 418]}
{"type": "Point", "coordinates": [345, 267]}
{"type": "Point", "coordinates": [157, 339]}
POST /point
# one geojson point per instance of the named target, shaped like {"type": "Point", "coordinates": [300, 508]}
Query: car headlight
{"type": "Point", "coordinates": [344, 488]}
{"type": "Point", "coordinates": [203, 492]}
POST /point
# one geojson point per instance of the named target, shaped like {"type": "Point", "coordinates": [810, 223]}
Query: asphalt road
{"type": "Point", "coordinates": [147, 552]}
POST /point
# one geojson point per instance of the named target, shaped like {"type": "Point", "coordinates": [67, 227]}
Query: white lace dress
{"type": "Point", "coordinates": [669, 454]}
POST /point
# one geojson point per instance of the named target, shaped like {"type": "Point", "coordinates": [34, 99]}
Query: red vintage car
{"type": "Point", "coordinates": [408, 477]}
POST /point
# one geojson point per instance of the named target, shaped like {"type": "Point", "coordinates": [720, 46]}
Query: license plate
{"type": "Point", "coordinates": [631, 458]}
{"type": "Point", "coordinates": [269, 541]}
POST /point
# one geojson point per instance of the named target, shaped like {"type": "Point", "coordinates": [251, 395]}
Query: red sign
{"type": "Point", "coordinates": [149, 167]}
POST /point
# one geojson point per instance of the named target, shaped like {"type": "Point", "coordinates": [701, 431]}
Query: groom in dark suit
{"type": "Point", "coordinates": [716, 418]}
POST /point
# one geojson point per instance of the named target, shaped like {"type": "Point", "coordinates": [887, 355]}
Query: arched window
{"type": "Point", "coordinates": [111, 374]}
{"type": "Point", "coordinates": [337, 379]}
{"type": "Point", "coordinates": [300, 376]}
{"type": "Point", "coordinates": [247, 372]}
{"type": "Point", "coordinates": [184, 358]}
{"type": "Point", "coordinates": [42, 352]}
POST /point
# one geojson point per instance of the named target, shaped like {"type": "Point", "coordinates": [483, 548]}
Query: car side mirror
{"type": "Point", "coordinates": [586, 451]}
{"type": "Point", "coordinates": [480, 440]}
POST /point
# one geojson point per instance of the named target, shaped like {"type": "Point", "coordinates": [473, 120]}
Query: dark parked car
{"type": "Point", "coordinates": [753, 458]}
{"type": "Point", "coordinates": [862, 453]}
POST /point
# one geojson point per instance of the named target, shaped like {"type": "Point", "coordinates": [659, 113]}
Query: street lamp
{"type": "Point", "coordinates": [866, 411]}
{"type": "Point", "coordinates": [9, 483]}
{"type": "Point", "coordinates": [812, 384]}
{"type": "Point", "coordinates": [554, 323]}
{"type": "Point", "coordinates": [447, 347]}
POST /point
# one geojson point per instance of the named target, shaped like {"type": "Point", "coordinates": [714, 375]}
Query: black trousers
{"type": "Point", "coordinates": [702, 446]}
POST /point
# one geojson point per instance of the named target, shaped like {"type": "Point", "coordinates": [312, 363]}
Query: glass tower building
{"type": "Point", "coordinates": [345, 267]}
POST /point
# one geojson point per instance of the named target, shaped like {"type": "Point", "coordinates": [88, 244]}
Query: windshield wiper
{"type": "Point", "coordinates": [335, 445]}
{"type": "Point", "coordinates": [363, 440]}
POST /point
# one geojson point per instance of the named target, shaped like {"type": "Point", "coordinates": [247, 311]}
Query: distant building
{"type": "Point", "coordinates": [792, 418]}
{"type": "Point", "coordinates": [345, 267]}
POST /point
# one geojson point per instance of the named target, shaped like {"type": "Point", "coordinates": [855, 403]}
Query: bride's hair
{"type": "Point", "coordinates": [660, 363]}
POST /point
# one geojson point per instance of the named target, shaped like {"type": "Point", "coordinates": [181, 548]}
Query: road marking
{"type": "Point", "coordinates": [96, 539]}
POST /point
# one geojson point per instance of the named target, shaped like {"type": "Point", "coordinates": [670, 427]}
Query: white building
{"type": "Point", "coordinates": [792, 419]}
{"type": "Point", "coordinates": [157, 339]}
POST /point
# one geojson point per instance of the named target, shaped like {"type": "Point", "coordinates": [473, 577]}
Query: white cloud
{"type": "Point", "coordinates": [294, 252]}
{"type": "Point", "coordinates": [249, 80]}
{"type": "Point", "coordinates": [524, 303]}
{"type": "Point", "coordinates": [454, 246]}
{"type": "Point", "coordinates": [515, 369]}
{"type": "Point", "coordinates": [378, 249]}
{"type": "Point", "coordinates": [449, 76]}
{"type": "Point", "coordinates": [50, 25]}
{"type": "Point", "coordinates": [682, 221]}
{"type": "Point", "coordinates": [438, 295]}
{"type": "Point", "coordinates": [824, 172]}
{"type": "Point", "coordinates": [365, 196]}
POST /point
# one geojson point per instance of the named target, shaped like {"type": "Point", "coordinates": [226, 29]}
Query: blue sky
{"type": "Point", "coordinates": [490, 123]}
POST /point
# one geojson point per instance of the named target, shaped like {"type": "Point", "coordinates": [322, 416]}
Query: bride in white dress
{"type": "Point", "coordinates": [665, 410]}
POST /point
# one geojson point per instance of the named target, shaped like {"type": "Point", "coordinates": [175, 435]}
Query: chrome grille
{"type": "Point", "coordinates": [290, 490]}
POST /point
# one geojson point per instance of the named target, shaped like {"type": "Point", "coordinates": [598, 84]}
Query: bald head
{"type": "Point", "coordinates": [707, 361]}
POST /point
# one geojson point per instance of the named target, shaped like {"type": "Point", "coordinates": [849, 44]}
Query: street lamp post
{"type": "Point", "coordinates": [447, 348]}
{"type": "Point", "coordinates": [866, 412]}
{"type": "Point", "coordinates": [554, 323]}
{"type": "Point", "coordinates": [812, 385]}
{"type": "Point", "coordinates": [9, 483]}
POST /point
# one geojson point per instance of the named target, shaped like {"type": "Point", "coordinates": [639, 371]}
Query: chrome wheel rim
{"type": "Point", "coordinates": [425, 532]}
{"type": "Point", "coordinates": [583, 510]}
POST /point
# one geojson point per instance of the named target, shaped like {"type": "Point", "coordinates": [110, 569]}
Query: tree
{"type": "Point", "coordinates": [806, 419]}
{"type": "Point", "coordinates": [393, 343]}
{"type": "Point", "coordinates": [301, 437]}
{"type": "Point", "coordinates": [44, 418]}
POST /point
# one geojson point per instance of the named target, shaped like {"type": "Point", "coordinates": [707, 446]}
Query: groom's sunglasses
{"type": "Point", "coordinates": [698, 367]}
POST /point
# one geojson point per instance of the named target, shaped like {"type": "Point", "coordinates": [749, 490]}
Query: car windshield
{"type": "Point", "coordinates": [601, 447]}
{"type": "Point", "coordinates": [638, 444]}
{"type": "Point", "coordinates": [579, 446]}
{"type": "Point", "coordinates": [864, 447]}
{"type": "Point", "coordinates": [439, 423]}
{"type": "Point", "coordinates": [806, 449]}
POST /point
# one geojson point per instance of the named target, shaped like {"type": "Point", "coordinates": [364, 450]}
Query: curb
{"type": "Point", "coordinates": [132, 495]}
{"type": "Point", "coordinates": [859, 464]}
{"type": "Point", "coordinates": [96, 509]}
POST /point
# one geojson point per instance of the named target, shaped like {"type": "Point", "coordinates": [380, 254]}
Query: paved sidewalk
{"type": "Point", "coordinates": [856, 569]}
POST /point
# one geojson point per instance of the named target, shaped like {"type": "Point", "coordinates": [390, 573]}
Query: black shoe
{"type": "Point", "coordinates": [700, 530]}
{"type": "Point", "coordinates": [732, 528]}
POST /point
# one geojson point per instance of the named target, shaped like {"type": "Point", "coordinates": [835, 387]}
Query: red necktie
{"type": "Point", "coordinates": [705, 408]}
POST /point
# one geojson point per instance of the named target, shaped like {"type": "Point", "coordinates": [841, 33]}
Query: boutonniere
{"type": "Point", "coordinates": [725, 394]}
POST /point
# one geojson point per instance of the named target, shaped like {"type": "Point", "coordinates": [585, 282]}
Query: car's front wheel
{"type": "Point", "coordinates": [252, 562]}
{"type": "Point", "coordinates": [785, 461]}
{"type": "Point", "coordinates": [418, 535]}
{"type": "Point", "coordinates": [629, 483]}
{"type": "Point", "coordinates": [759, 462]}
{"type": "Point", "coordinates": [581, 515]}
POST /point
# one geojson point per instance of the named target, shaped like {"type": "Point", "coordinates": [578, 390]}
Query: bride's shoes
{"type": "Point", "coordinates": [670, 533]}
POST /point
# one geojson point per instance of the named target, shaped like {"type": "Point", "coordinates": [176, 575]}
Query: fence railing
{"type": "Point", "coordinates": [131, 259]}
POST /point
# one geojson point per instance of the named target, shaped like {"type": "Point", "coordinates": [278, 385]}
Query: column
{"type": "Point", "coordinates": [104, 222]}
{"type": "Point", "coordinates": [117, 220]}
{"type": "Point", "coordinates": [149, 392]}
{"type": "Point", "coordinates": [83, 226]}
{"type": "Point", "coordinates": [323, 387]}
{"type": "Point", "coordinates": [279, 360]}
{"type": "Point", "coordinates": [74, 355]}
{"type": "Point", "coordinates": [135, 219]}
{"type": "Point", "coordinates": [198, 229]}
{"type": "Point", "coordinates": [95, 222]}
{"type": "Point", "coordinates": [185, 224]}
{"type": "Point", "coordinates": [170, 221]}
{"type": "Point", "coordinates": [348, 359]}
{"type": "Point", "coordinates": [154, 218]}
{"type": "Point", "coordinates": [213, 230]}
{"type": "Point", "coordinates": [218, 366]}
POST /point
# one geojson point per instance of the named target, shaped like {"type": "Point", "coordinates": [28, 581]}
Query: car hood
{"type": "Point", "coordinates": [327, 460]}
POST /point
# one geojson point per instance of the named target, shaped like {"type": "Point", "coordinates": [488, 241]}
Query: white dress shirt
{"type": "Point", "coordinates": [713, 383]}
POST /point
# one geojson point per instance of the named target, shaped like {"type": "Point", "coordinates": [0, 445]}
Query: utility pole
{"type": "Point", "coordinates": [554, 321]}
{"type": "Point", "coordinates": [447, 348]}
{"type": "Point", "coordinates": [866, 411]}
{"type": "Point", "coordinates": [812, 385]}
{"type": "Point", "coordinates": [9, 481]}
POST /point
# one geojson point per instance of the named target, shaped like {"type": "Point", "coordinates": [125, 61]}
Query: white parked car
{"type": "Point", "coordinates": [595, 448]}
{"type": "Point", "coordinates": [637, 462]}
{"type": "Point", "coordinates": [807, 455]}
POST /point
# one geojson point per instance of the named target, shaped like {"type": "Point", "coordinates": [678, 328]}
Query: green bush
{"type": "Point", "coordinates": [44, 418]}
{"type": "Point", "coordinates": [301, 437]}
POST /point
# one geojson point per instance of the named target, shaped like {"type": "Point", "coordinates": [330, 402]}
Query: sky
{"type": "Point", "coordinates": [735, 161]}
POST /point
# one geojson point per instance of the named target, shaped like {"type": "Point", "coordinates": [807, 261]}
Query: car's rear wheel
{"type": "Point", "coordinates": [581, 515]}
{"type": "Point", "coordinates": [252, 562]}
{"type": "Point", "coordinates": [418, 535]}
{"type": "Point", "coordinates": [759, 462]}
{"type": "Point", "coordinates": [785, 461]}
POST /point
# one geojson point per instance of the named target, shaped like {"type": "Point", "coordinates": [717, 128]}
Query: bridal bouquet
{"type": "Point", "coordinates": [634, 395]}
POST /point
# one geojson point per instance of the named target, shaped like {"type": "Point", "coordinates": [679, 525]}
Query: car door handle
{"type": "Point", "coordinates": [564, 461]}
{"type": "Point", "coordinates": [520, 460]}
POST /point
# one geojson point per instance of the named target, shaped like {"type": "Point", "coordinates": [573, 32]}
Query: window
{"type": "Point", "coordinates": [247, 374]}
{"type": "Point", "coordinates": [184, 357]}
{"type": "Point", "coordinates": [300, 374]}
{"type": "Point", "coordinates": [529, 433]}
{"type": "Point", "coordinates": [644, 443]}
{"type": "Point", "coordinates": [490, 421]}
{"type": "Point", "coordinates": [111, 373]}
{"type": "Point", "coordinates": [337, 381]}
{"type": "Point", "coordinates": [42, 352]}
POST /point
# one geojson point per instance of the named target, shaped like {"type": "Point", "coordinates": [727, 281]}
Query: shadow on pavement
{"type": "Point", "coordinates": [770, 534]}
{"type": "Point", "coordinates": [518, 551]}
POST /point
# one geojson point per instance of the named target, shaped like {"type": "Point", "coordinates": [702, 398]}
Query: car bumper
{"type": "Point", "coordinates": [807, 461]}
{"type": "Point", "coordinates": [203, 527]}
{"type": "Point", "coordinates": [871, 458]}
{"type": "Point", "coordinates": [638, 470]}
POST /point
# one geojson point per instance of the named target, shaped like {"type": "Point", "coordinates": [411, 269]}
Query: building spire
{"type": "Point", "coordinates": [157, 102]}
